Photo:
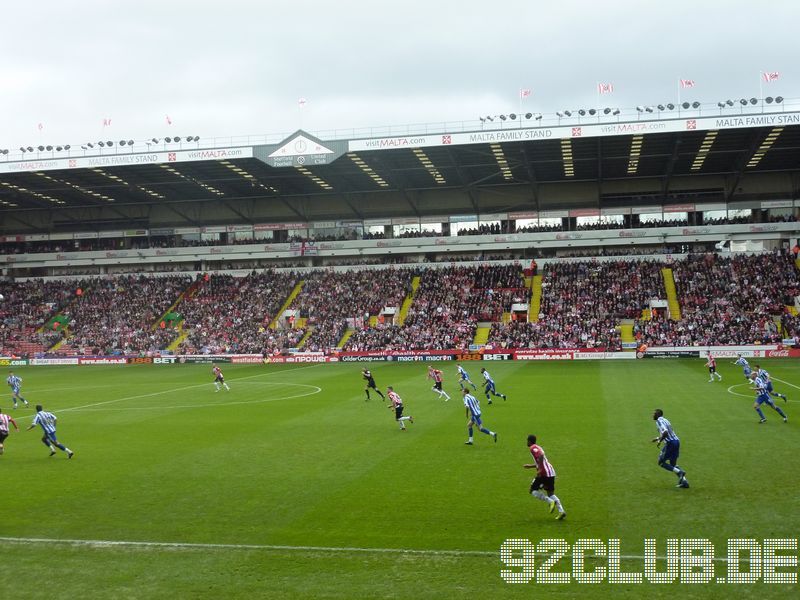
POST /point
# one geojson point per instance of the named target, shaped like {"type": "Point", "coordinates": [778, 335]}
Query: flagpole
{"type": "Point", "coordinates": [679, 95]}
{"type": "Point", "coordinates": [761, 86]}
{"type": "Point", "coordinates": [519, 115]}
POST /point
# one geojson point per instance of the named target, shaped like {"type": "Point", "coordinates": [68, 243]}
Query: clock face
{"type": "Point", "coordinates": [300, 146]}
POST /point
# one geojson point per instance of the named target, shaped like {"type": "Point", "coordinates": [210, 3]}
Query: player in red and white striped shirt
{"type": "Point", "coordinates": [397, 404]}
{"type": "Point", "coordinates": [4, 430]}
{"type": "Point", "coordinates": [436, 375]}
{"type": "Point", "coordinates": [712, 368]}
{"type": "Point", "coordinates": [545, 478]}
{"type": "Point", "coordinates": [219, 379]}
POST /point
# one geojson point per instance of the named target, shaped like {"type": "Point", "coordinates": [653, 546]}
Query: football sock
{"type": "Point", "coordinates": [760, 413]}
{"type": "Point", "coordinates": [555, 499]}
{"type": "Point", "coordinates": [379, 394]}
{"type": "Point", "coordinates": [540, 495]}
{"type": "Point", "coordinates": [780, 412]}
{"type": "Point", "coordinates": [470, 433]}
{"type": "Point", "coordinates": [667, 467]}
{"type": "Point", "coordinates": [367, 392]}
{"type": "Point", "coordinates": [446, 395]}
{"type": "Point", "coordinates": [486, 431]}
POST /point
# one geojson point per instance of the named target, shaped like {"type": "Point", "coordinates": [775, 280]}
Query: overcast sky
{"type": "Point", "coordinates": [239, 67]}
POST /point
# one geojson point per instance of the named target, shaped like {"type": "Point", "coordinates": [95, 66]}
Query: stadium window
{"type": "Point", "coordinates": [464, 228]}
{"type": "Point", "coordinates": [710, 216]}
{"type": "Point", "coordinates": [406, 230]}
{"type": "Point", "coordinates": [375, 230]}
{"type": "Point", "coordinates": [525, 223]}
{"type": "Point", "coordinates": [742, 213]}
{"type": "Point", "coordinates": [431, 228]}
{"type": "Point", "coordinates": [651, 217]}
{"type": "Point", "coordinates": [212, 238]}
{"type": "Point", "coordinates": [262, 236]}
{"type": "Point", "coordinates": [675, 216]}
{"type": "Point", "coordinates": [550, 222]}
{"type": "Point", "coordinates": [241, 237]}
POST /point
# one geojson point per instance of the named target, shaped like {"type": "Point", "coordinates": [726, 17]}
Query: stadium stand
{"type": "Point", "coordinates": [727, 300]}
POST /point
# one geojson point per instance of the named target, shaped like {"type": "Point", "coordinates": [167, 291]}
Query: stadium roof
{"type": "Point", "coordinates": [391, 174]}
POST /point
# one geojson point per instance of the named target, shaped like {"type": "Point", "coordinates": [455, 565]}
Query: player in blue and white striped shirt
{"type": "Point", "coordinates": [763, 397]}
{"type": "Point", "coordinates": [770, 390]}
{"type": "Point", "coordinates": [474, 414]}
{"type": "Point", "coordinates": [742, 362]}
{"type": "Point", "coordinates": [668, 458]}
{"type": "Point", "coordinates": [47, 421]}
{"type": "Point", "coordinates": [489, 386]}
{"type": "Point", "coordinates": [15, 383]}
{"type": "Point", "coordinates": [463, 377]}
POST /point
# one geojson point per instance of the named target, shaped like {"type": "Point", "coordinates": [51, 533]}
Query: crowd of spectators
{"type": "Point", "coordinates": [226, 314]}
{"type": "Point", "coordinates": [26, 307]}
{"type": "Point", "coordinates": [727, 300]}
{"type": "Point", "coordinates": [583, 302]}
{"type": "Point", "coordinates": [447, 307]}
{"type": "Point", "coordinates": [330, 298]}
{"type": "Point", "coordinates": [724, 299]}
{"type": "Point", "coordinates": [120, 315]}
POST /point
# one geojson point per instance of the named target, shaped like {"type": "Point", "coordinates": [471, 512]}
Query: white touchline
{"type": "Point", "coordinates": [286, 548]}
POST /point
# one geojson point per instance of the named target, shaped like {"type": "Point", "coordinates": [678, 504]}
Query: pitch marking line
{"type": "Point", "coordinates": [179, 389]}
{"type": "Point", "coordinates": [315, 390]}
{"type": "Point", "coordinates": [752, 395]}
{"type": "Point", "coordinates": [283, 548]}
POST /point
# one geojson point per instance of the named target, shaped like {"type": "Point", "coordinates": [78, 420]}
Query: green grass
{"type": "Point", "coordinates": [333, 499]}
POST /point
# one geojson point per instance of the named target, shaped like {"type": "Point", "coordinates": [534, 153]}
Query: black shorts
{"type": "Point", "coordinates": [3, 436]}
{"type": "Point", "coordinates": [548, 484]}
{"type": "Point", "coordinates": [219, 378]}
{"type": "Point", "coordinates": [371, 383]}
{"type": "Point", "coordinates": [398, 411]}
{"type": "Point", "coordinates": [438, 385]}
{"type": "Point", "coordinates": [712, 369]}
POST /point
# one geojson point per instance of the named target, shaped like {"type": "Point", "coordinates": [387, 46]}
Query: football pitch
{"type": "Point", "coordinates": [291, 485]}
